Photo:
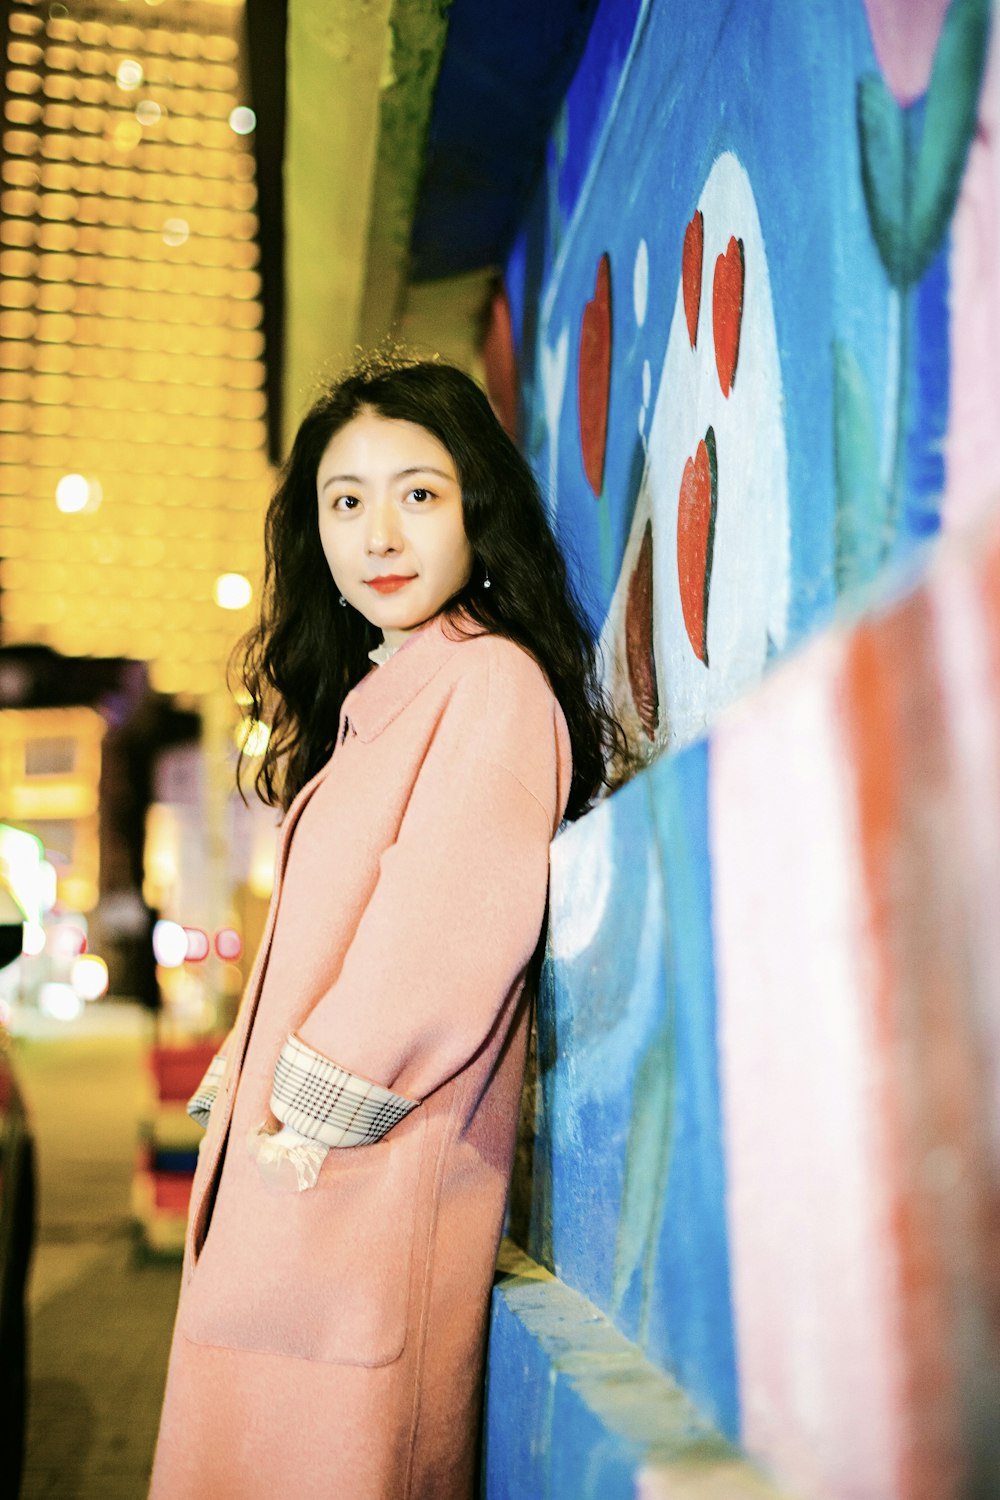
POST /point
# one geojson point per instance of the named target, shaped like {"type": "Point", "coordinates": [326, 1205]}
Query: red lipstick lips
{"type": "Point", "coordinates": [390, 583]}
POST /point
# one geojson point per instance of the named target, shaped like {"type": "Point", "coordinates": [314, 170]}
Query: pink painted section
{"type": "Point", "coordinates": [856, 853]}
{"type": "Point", "coordinates": [972, 453]}
{"type": "Point", "coordinates": [814, 1296]}
{"type": "Point", "coordinates": [941, 1174]}
{"type": "Point", "coordinates": [967, 654]}
{"type": "Point", "coordinates": [904, 34]}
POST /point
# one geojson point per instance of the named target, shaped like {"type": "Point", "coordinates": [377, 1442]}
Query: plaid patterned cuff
{"type": "Point", "coordinates": [325, 1102]}
{"type": "Point", "coordinates": [199, 1106]}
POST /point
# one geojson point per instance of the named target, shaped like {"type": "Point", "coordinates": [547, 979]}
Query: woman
{"type": "Point", "coordinates": [329, 1340]}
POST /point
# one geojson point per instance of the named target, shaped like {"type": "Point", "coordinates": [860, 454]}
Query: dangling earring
{"type": "Point", "coordinates": [486, 581]}
{"type": "Point", "coordinates": [343, 601]}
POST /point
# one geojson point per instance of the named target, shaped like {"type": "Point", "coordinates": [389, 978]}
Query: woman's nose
{"type": "Point", "coordinates": [383, 530]}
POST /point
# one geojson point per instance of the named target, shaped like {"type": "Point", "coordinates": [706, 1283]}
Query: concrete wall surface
{"type": "Point", "coordinates": [756, 308]}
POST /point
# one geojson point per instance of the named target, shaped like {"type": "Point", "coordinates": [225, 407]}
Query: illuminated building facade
{"type": "Point", "coordinates": [50, 768]}
{"type": "Point", "coordinates": [132, 437]}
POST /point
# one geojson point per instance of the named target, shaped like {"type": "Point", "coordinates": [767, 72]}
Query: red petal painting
{"type": "Point", "coordinates": [691, 262]}
{"type": "Point", "coordinates": [500, 363]}
{"type": "Point", "coordinates": [727, 312]}
{"type": "Point", "coordinates": [594, 377]}
{"type": "Point", "coordinates": [696, 540]}
{"type": "Point", "coordinates": [639, 637]}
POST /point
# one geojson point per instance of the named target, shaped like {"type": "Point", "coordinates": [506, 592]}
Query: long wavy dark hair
{"type": "Point", "coordinates": [306, 652]}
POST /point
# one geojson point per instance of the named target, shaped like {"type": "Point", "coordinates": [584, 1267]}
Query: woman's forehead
{"type": "Point", "coordinates": [373, 446]}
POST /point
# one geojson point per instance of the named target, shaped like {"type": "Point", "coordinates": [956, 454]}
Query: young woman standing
{"type": "Point", "coordinates": [331, 1328]}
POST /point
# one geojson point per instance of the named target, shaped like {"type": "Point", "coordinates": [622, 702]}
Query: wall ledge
{"type": "Point", "coordinates": [574, 1409]}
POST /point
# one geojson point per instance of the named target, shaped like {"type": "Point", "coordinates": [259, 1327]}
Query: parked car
{"type": "Point", "coordinates": [17, 1229]}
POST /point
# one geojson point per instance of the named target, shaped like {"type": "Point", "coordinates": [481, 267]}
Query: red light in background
{"type": "Point", "coordinates": [228, 944]}
{"type": "Point", "coordinates": [198, 946]}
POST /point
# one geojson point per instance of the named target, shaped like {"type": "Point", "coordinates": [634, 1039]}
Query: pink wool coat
{"type": "Point", "coordinates": [330, 1343]}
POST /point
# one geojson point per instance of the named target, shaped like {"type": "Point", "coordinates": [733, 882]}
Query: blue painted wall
{"type": "Point", "coordinates": [629, 1182]}
{"type": "Point", "coordinates": [753, 116]}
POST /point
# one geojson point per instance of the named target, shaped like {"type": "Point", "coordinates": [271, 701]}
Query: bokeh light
{"type": "Point", "coordinates": [232, 591]}
{"type": "Point", "coordinates": [47, 885]}
{"type": "Point", "coordinates": [89, 977]}
{"type": "Point", "coordinates": [176, 231]}
{"type": "Point", "coordinates": [129, 74]}
{"type": "Point", "coordinates": [242, 120]}
{"type": "Point", "coordinates": [59, 1001]}
{"type": "Point", "coordinates": [75, 492]}
{"type": "Point", "coordinates": [33, 939]}
{"type": "Point", "coordinates": [126, 134]}
{"type": "Point", "coordinates": [228, 944]}
{"type": "Point", "coordinates": [252, 736]}
{"type": "Point", "coordinates": [170, 944]}
{"type": "Point", "coordinates": [198, 946]}
{"type": "Point", "coordinates": [66, 940]}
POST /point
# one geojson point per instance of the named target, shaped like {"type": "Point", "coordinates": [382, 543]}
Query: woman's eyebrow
{"type": "Point", "coordinates": [342, 479]}
{"type": "Point", "coordinates": [403, 474]}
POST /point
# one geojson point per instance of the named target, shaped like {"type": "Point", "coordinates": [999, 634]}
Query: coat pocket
{"type": "Point", "coordinates": [321, 1275]}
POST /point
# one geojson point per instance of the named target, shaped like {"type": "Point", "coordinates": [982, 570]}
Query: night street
{"type": "Point", "coordinates": [100, 1320]}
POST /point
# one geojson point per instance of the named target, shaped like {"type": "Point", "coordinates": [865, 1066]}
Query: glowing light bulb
{"type": "Point", "coordinates": [232, 591]}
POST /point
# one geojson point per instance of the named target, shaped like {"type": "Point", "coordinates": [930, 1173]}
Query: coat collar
{"type": "Point", "coordinates": [386, 690]}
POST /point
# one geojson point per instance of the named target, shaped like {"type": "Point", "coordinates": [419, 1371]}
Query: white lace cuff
{"type": "Point", "coordinates": [287, 1161]}
{"type": "Point", "coordinates": [325, 1102]}
{"type": "Point", "coordinates": [199, 1106]}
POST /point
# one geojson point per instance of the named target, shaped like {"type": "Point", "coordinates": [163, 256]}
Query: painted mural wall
{"type": "Point", "coordinates": [756, 307]}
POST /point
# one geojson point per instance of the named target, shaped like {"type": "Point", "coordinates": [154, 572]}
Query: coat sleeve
{"type": "Point", "coordinates": [450, 926]}
{"type": "Point", "coordinates": [199, 1106]}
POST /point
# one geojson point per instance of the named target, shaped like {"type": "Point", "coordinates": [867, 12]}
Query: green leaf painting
{"type": "Point", "coordinates": [912, 161]}
{"type": "Point", "coordinates": [647, 1169]}
{"type": "Point", "coordinates": [651, 1127]}
{"type": "Point", "coordinates": [948, 127]}
{"type": "Point", "coordinates": [882, 129]}
{"type": "Point", "coordinates": [912, 167]}
{"type": "Point", "coordinates": [861, 512]}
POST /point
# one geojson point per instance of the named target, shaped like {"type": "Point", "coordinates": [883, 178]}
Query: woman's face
{"type": "Point", "coordinates": [390, 522]}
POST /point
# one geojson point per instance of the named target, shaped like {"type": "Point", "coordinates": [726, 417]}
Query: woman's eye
{"type": "Point", "coordinates": [421, 494]}
{"type": "Point", "coordinates": [346, 502]}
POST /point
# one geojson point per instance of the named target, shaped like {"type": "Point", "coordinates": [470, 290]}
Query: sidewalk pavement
{"type": "Point", "coordinates": [100, 1319]}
